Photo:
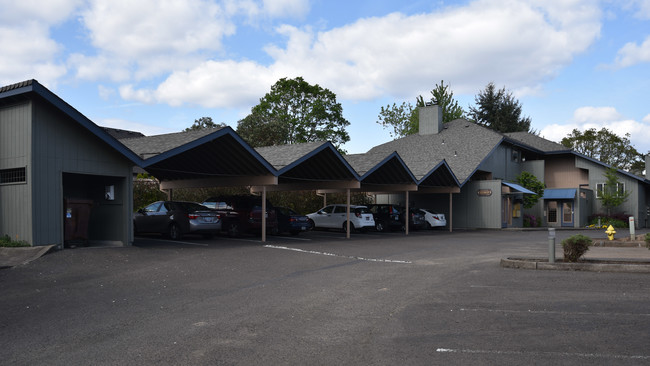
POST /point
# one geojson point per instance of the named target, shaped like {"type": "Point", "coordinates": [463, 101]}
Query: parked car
{"type": "Point", "coordinates": [243, 213]}
{"type": "Point", "coordinates": [177, 218]}
{"type": "Point", "coordinates": [387, 216]}
{"type": "Point", "coordinates": [334, 217]}
{"type": "Point", "coordinates": [433, 219]}
{"type": "Point", "coordinates": [290, 221]}
{"type": "Point", "coordinates": [416, 219]}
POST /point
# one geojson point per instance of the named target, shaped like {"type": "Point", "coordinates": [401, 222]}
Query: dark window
{"type": "Point", "coordinates": [15, 175]}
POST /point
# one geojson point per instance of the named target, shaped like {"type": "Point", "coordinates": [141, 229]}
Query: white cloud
{"type": "Point", "coordinates": [641, 8]}
{"type": "Point", "coordinates": [520, 44]}
{"type": "Point", "coordinates": [212, 84]}
{"type": "Point", "coordinates": [633, 53]}
{"type": "Point", "coordinates": [27, 49]}
{"type": "Point", "coordinates": [285, 8]}
{"type": "Point", "coordinates": [585, 118]}
{"type": "Point", "coordinates": [149, 36]}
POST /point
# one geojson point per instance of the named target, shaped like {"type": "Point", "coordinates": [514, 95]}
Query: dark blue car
{"type": "Point", "coordinates": [289, 221]}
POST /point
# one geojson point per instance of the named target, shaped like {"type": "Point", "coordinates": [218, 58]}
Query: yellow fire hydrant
{"type": "Point", "coordinates": [610, 232]}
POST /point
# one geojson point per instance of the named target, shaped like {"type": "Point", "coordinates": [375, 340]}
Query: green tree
{"type": "Point", "coordinates": [612, 194]}
{"type": "Point", "coordinates": [203, 123]}
{"type": "Point", "coordinates": [607, 147]}
{"type": "Point", "coordinates": [404, 118]}
{"type": "Point", "coordinates": [295, 111]}
{"type": "Point", "coordinates": [529, 181]}
{"type": "Point", "coordinates": [499, 110]}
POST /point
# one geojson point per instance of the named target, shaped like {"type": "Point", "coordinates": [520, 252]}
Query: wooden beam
{"type": "Point", "coordinates": [319, 186]}
{"type": "Point", "coordinates": [438, 189]}
{"type": "Point", "coordinates": [220, 182]}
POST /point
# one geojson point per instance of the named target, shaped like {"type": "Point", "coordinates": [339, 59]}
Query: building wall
{"type": "Point", "coordinates": [597, 175]}
{"type": "Point", "coordinates": [61, 145]}
{"type": "Point", "coordinates": [15, 152]}
{"type": "Point", "coordinates": [474, 211]}
{"type": "Point", "coordinates": [504, 163]}
{"type": "Point", "coordinates": [562, 172]}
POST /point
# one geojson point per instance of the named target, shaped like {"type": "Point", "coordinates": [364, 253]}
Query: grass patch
{"type": "Point", "coordinates": [6, 241]}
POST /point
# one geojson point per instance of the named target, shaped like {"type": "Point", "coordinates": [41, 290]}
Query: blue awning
{"type": "Point", "coordinates": [559, 194]}
{"type": "Point", "coordinates": [518, 188]}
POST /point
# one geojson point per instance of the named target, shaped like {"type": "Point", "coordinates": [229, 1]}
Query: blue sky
{"type": "Point", "coordinates": [155, 66]}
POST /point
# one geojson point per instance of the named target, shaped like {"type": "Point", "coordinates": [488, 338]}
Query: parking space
{"type": "Point", "coordinates": [432, 297]}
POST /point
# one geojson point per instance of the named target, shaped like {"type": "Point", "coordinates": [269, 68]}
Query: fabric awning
{"type": "Point", "coordinates": [517, 187]}
{"type": "Point", "coordinates": [559, 194]}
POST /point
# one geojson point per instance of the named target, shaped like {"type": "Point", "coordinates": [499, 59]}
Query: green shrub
{"type": "Point", "coordinates": [5, 241]}
{"type": "Point", "coordinates": [575, 247]}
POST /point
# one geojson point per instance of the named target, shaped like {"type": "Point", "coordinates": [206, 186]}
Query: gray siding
{"type": "Point", "coordinates": [15, 136]}
{"type": "Point", "coordinates": [597, 175]}
{"type": "Point", "coordinates": [501, 164]}
{"type": "Point", "coordinates": [474, 211]}
{"type": "Point", "coordinates": [61, 145]}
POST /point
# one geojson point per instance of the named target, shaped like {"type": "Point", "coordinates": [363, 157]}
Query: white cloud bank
{"type": "Point", "coordinates": [516, 43]}
{"type": "Point", "coordinates": [585, 118]}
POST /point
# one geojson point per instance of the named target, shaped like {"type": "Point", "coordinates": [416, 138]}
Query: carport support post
{"type": "Point", "coordinates": [263, 214]}
{"type": "Point", "coordinates": [551, 245]}
{"type": "Point", "coordinates": [347, 222]}
{"type": "Point", "coordinates": [407, 214]}
{"type": "Point", "coordinates": [451, 212]}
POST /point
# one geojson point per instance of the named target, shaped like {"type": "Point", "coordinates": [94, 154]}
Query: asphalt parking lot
{"type": "Point", "coordinates": [432, 298]}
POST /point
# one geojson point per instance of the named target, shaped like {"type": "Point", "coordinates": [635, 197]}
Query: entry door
{"type": "Point", "coordinates": [552, 215]}
{"type": "Point", "coordinates": [567, 213]}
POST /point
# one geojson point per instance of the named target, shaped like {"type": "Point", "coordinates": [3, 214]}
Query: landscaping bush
{"type": "Point", "coordinates": [575, 247]}
{"type": "Point", "coordinates": [619, 221]}
{"type": "Point", "coordinates": [5, 241]}
{"type": "Point", "coordinates": [531, 221]}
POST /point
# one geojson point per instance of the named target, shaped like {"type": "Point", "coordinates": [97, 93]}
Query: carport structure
{"type": "Point", "coordinates": [219, 157]}
{"type": "Point", "coordinates": [390, 174]}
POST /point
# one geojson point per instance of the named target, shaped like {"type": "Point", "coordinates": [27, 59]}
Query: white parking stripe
{"type": "Point", "coordinates": [553, 312]}
{"type": "Point", "coordinates": [560, 354]}
{"type": "Point", "coordinates": [175, 241]}
{"type": "Point", "coordinates": [338, 255]}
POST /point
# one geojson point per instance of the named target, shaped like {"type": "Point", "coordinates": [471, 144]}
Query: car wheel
{"type": "Point", "coordinates": [312, 224]}
{"type": "Point", "coordinates": [429, 225]}
{"type": "Point", "coordinates": [233, 229]}
{"type": "Point", "coordinates": [174, 232]}
{"type": "Point", "coordinates": [345, 226]}
{"type": "Point", "coordinates": [379, 226]}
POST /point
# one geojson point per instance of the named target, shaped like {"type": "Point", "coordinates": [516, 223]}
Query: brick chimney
{"type": "Point", "coordinates": [430, 119]}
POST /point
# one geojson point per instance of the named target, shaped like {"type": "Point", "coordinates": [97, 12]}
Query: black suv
{"type": "Point", "coordinates": [243, 213]}
{"type": "Point", "coordinates": [387, 216]}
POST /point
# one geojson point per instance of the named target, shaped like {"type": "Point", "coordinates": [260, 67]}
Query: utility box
{"type": "Point", "coordinates": [76, 218]}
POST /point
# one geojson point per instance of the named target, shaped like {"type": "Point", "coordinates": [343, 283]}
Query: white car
{"type": "Point", "coordinates": [433, 219]}
{"type": "Point", "coordinates": [334, 217]}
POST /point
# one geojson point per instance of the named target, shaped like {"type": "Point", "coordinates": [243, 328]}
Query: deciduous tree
{"type": "Point", "coordinates": [203, 123]}
{"type": "Point", "coordinates": [604, 145]}
{"type": "Point", "coordinates": [404, 118]}
{"type": "Point", "coordinates": [295, 111]}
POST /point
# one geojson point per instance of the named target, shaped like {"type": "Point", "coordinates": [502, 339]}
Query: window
{"type": "Point", "coordinates": [15, 175]}
{"type": "Point", "coordinates": [600, 187]}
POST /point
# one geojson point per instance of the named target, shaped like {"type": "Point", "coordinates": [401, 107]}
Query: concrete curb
{"type": "Point", "coordinates": [593, 265]}
{"type": "Point", "coordinates": [12, 257]}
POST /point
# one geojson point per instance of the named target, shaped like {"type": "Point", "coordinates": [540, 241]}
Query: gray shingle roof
{"type": "Point", "coordinates": [283, 155]}
{"type": "Point", "coordinates": [462, 144]}
{"type": "Point", "coordinates": [536, 142]}
{"type": "Point", "coordinates": [362, 163]}
{"type": "Point", "coordinates": [149, 146]}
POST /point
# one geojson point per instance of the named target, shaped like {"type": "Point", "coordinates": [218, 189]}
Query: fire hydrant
{"type": "Point", "coordinates": [610, 232]}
